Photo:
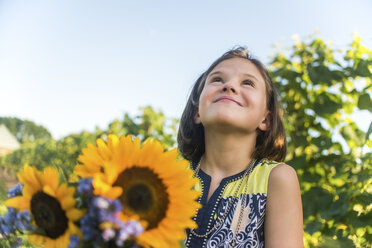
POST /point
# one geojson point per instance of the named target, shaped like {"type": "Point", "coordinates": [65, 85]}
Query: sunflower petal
{"type": "Point", "coordinates": [74, 230]}
{"type": "Point", "coordinates": [67, 203]}
{"type": "Point", "coordinates": [103, 150]}
{"type": "Point", "coordinates": [18, 202]}
{"type": "Point", "coordinates": [29, 176]}
{"type": "Point", "coordinates": [49, 243]}
{"type": "Point", "coordinates": [48, 190]}
{"type": "Point", "coordinates": [36, 239]}
{"type": "Point", "coordinates": [74, 214]}
{"type": "Point", "coordinates": [51, 177]}
{"type": "Point", "coordinates": [112, 142]}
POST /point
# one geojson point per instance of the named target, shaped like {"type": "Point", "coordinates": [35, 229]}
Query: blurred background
{"type": "Point", "coordinates": [74, 71]}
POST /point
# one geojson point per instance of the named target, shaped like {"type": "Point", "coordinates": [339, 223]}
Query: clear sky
{"type": "Point", "coordinates": [75, 64]}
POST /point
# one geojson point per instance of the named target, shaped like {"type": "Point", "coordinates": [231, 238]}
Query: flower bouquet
{"type": "Point", "coordinates": [128, 195]}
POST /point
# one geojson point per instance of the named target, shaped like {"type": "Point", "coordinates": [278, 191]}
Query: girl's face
{"type": "Point", "coordinates": [233, 98]}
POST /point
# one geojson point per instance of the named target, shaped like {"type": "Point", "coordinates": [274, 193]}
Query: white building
{"type": "Point", "coordinates": [8, 142]}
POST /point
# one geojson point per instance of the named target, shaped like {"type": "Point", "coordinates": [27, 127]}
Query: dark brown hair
{"type": "Point", "coordinates": [270, 144]}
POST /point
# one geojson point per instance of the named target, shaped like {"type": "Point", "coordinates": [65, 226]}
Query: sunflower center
{"type": "Point", "coordinates": [139, 197]}
{"type": "Point", "coordinates": [144, 194]}
{"type": "Point", "coordinates": [49, 214]}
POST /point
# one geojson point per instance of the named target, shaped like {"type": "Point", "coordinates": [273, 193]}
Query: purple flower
{"type": "Point", "coordinates": [15, 191]}
{"type": "Point", "coordinates": [11, 211]}
{"type": "Point", "coordinates": [7, 222]}
{"type": "Point", "coordinates": [127, 230]}
{"type": "Point", "coordinates": [85, 187]}
{"type": "Point", "coordinates": [108, 234]}
{"type": "Point", "coordinates": [107, 209]}
{"type": "Point", "coordinates": [24, 221]}
{"type": "Point", "coordinates": [14, 221]}
{"type": "Point", "coordinates": [89, 227]}
{"type": "Point", "coordinates": [74, 241]}
{"type": "Point", "coordinates": [101, 203]}
{"type": "Point", "coordinates": [104, 210]}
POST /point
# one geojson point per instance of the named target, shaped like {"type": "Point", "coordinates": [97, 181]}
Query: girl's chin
{"type": "Point", "coordinates": [225, 124]}
{"type": "Point", "coordinates": [227, 117]}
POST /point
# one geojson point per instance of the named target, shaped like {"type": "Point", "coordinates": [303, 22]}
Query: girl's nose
{"type": "Point", "coordinates": [228, 88]}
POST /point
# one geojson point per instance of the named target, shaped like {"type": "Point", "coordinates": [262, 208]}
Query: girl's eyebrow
{"type": "Point", "coordinates": [215, 72]}
{"type": "Point", "coordinates": [245, 74]}
{"type": "Point", "coordinates": [250, 75]}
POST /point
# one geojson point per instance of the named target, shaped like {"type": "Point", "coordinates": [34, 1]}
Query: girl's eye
{"type": "Point", "coordinates": [248, 82]}
{"type": "Point", "coordinates": [216, 79]}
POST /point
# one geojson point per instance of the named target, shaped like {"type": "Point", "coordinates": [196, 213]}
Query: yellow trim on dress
{"type": "Point", "coordinates": [257, 183]}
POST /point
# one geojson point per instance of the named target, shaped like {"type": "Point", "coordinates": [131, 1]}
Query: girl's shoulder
{"type": "Point", "coordinates": [283, 176]}
{"type": "Point", "coordinates": [277, 174]}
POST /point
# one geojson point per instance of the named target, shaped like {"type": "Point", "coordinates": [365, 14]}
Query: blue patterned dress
{"type": "Point", "coordinates": [251, 228]}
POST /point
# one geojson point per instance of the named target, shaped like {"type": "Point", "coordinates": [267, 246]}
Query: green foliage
{"type": "Point", "coordinates": [63, 153]}
{"type": "Point", "coordinates": [320, 88]}
{"type": "Point", "coordinates": [25, 131]}
{"type": "Point", "coordinates": [149, 124]}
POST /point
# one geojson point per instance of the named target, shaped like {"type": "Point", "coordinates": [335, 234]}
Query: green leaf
{"type": "Point", "coordinates": [298, 162]}
{"type": "Point", "coordinates": [336, 209]}
{"type": "Point", "coordinates": [319, 74]}
{"type": "Point", "coordinates": [348, 107]}
{"type": "Point", "coordinates": [352, 135]}
{"type": "Point", "coordinates": [326, 104]}
{"type": "Point", "coordinates": [313, 227]}
{"type": "Point", "coordinates": [311, 177]}
{"type": "Point", "coordinates": [334, 243]}
{"type": "Point", "coordinates": [299, 139]}
{"type": "Point", "coordinates": [323, 142]}
{"type": "Point", "coordinates": [316, 200]}
{"type": "Point", "coordinates": [357, 221]}
{"type": "Point", "coordinates": [364, 198]}
{"type": "Point", "coordinates": [364, 102]}
{"type": "Point", "coordinates": [362, 68]}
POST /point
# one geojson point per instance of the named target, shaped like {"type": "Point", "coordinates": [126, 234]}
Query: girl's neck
{"type": "Point", "coordinates": [227, 154]}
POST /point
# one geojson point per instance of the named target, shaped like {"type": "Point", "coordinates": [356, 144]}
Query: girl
{"type": "Point", "coordinates": [232, 133]}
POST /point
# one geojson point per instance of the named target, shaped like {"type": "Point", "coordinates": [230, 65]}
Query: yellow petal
{"type": "Point", "coordinates": [18, 202]}
{"type": "Point", "coordinates": [112, 142]}
{"type": "Point", "coordinates": [74, 214]}
{"type": "Point", "coordinates": [51, 177]}
{"type": "Point", "coordinates": [30, 177]}
{"type": "Point", "coordinates": [36, 239]}
{"type": "Point", "coordinates": [64, 191]}
{"type": "Point", "coordinates": [103, 150]}
{"type": "Point", "coordinates": [67, 203]}
{"type": "Point", "coordinates": [49, 243]}
{"type": "Point", "coordinates": [49, 191]}
{"type": "Point", "coordinates": [74, 230]}
{"type": "Point", "coordinates": [114, 193]}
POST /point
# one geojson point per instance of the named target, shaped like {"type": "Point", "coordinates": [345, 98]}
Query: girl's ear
{"type": "Point", "coordinates": [265, 124]}
{"type": "Point", "coordinates": [197, 117]}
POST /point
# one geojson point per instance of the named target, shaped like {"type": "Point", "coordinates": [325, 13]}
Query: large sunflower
{"type": "Point", "coordinates": [52, 207]}
{"type": "Point", "coordinates": [150, 183]}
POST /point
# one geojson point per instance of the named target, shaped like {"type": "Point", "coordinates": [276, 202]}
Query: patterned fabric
{"type": "Point", "coordinates": [251, 228]}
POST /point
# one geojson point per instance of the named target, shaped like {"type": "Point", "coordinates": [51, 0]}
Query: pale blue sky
{"type": "Point", "coordinates": [71, 65]}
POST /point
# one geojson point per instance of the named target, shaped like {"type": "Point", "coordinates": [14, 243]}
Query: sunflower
{"type": "Point", "coordinates": [152, 185]}
{"type": "Point", "coordinates": [51, 205]}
